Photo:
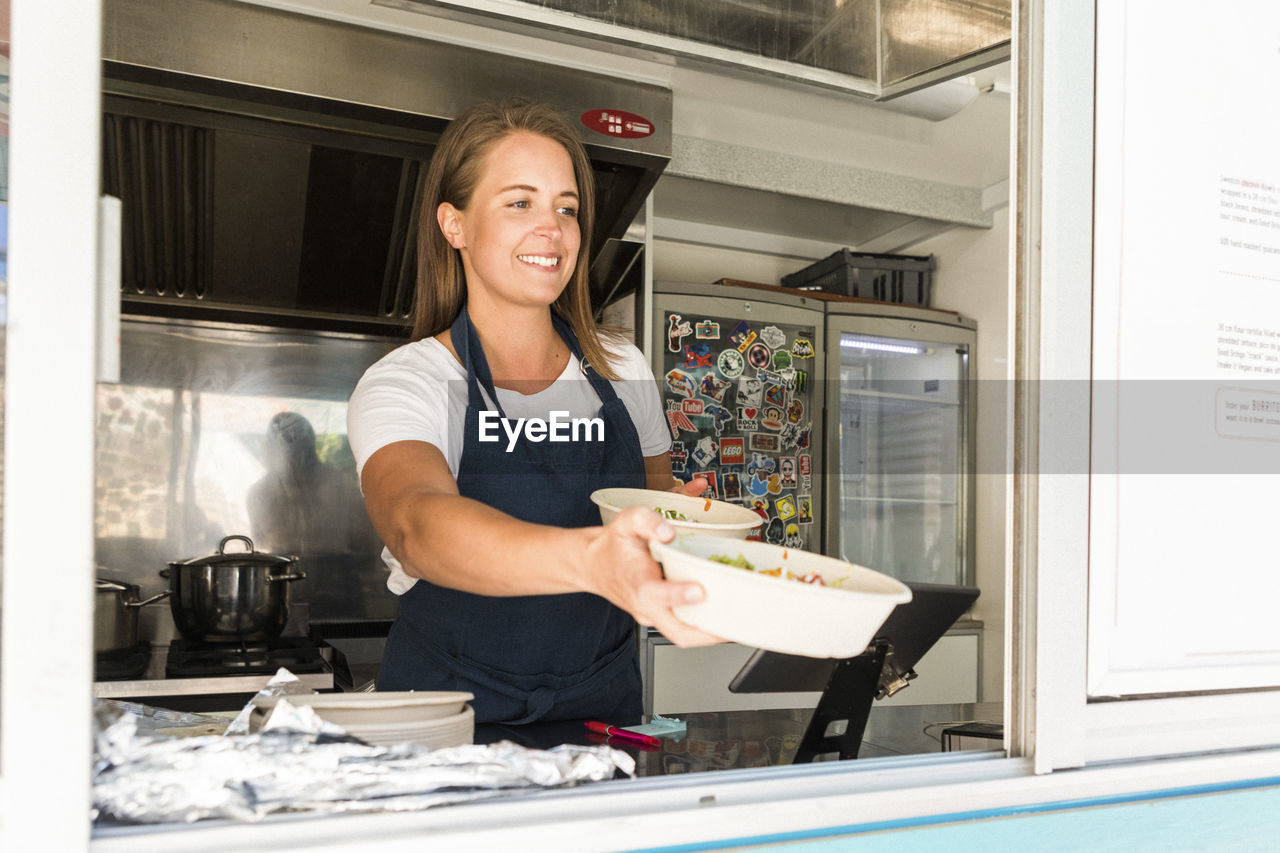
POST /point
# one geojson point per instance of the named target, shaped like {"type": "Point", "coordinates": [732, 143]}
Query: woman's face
{"type": "Point", "coordinates": [519, 236]}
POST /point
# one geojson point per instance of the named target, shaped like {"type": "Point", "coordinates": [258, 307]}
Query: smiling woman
{"type": "Point", "coordinates": [505, 342]}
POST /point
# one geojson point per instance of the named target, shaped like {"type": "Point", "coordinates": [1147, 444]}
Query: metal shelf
{"type": "Point", "coordinates": [885, 395]}
{"type": "Point", "coordinates": [930, 501]}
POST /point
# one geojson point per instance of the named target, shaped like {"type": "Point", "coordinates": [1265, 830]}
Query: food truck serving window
{"type": "Point", "coordinates": [1056, 651]}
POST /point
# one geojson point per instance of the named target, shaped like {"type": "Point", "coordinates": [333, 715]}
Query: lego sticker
{"type": "Point", "coordinates": [707, 330]}
{"type": "Point", "coordinates": [713, 387]}
{"type": "Point", "coordinates": [679, 382]}
{"type": "Point", "coordinates": [785, 506]}
{"type": "Point", "coordinates": [747, 419]}
{"type": "Point", "coordinates": [787, 470]}
{"type": "Point", "coordinates": [713, 489]}
{"type": "Point", "coordinates": [802, 348]}
{"type": "Point", "coordinates": [742, 336]}
{"type": "Point", "coordinates": [697, 355]}
{"type": "Point", "coordinates": [805, 510]}
{"type": "Point", "coordinates": [677, 329]}
{"type": "Point", "coordinates": [758, 356]}
{"type": "Point", "coordinates": [750, 391]}
{"type": "Point", "coordinates": [733, 451]}
{"type": "Point", "coordinates": [731, 363]}
{"type": "Point", "coordinates": [773, 337]}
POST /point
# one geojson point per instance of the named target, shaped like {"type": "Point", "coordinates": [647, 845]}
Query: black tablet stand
{"type": "Point", "coordinates": [846, 703]}
{"type": "Point", "coordinates": [850, 685]}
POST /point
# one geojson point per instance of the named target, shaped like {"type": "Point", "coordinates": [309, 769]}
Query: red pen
{"type": "Point", "coordinates": [614, 731]}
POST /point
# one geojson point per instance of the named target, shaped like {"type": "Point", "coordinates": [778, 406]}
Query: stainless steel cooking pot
{"type": "Point", "coordinates": [228, 597]}
{"type": "Point", "coordinates": [115, 615]}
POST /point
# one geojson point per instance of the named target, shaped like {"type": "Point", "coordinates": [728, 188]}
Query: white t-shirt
{"type": "Point", "coordinates": [418, 392]}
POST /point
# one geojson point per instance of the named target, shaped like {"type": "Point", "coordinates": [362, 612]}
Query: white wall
{"type": "Point", "coordinates": [972, 278]}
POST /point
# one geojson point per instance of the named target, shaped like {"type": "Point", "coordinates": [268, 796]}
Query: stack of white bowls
{"type": "Point", "coordinates": [433, 719]}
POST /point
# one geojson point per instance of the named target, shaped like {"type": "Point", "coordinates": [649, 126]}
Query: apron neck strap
{"type": "Point", "coordinates": [467, 344]}
{"type": "Point", "coordinates": [599, 384]}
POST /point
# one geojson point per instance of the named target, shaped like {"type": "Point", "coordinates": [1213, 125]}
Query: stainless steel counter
{"type": "Point", "coordinates": [154, 683]}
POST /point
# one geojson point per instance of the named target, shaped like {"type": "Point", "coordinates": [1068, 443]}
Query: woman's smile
{"type": "Point", "coordinates": [549, 262]}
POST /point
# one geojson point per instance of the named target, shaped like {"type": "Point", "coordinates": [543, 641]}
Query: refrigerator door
{"type": "Point", "coordinates": [900, 427]}
{"type": "Point", "coordinates": [741, 378]}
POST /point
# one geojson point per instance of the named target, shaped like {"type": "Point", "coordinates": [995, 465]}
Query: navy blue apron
{"type": "Point", "coordinates": [539, 657]}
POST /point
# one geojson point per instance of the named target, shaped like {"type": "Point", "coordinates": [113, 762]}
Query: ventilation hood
{"type": "Point", "coordinates": [269, 163]}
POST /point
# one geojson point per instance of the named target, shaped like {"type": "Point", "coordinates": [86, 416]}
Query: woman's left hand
{"type": "Point", "coordinates": [693, 488]}
{"type": "Point", "coordinates": [617, 566]}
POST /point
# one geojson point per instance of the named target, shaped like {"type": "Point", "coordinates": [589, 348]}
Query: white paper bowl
{"type": "Point", "coordinates": [402, 707]}
{"type": "Point", "coordinates": [439, 733]}
{"type": "Point", "coordinates": [774, 613]}
{"type": "Point", "coordinates": [716, 518]}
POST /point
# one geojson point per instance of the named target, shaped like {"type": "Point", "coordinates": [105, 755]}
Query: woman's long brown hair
{"type": "Point", "coordinates": [452, 177]}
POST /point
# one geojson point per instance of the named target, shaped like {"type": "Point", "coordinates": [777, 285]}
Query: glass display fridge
{"type": "Point", "coordinates": [900, 432]}
{"type": "Point", "coordinates": [847, 424]}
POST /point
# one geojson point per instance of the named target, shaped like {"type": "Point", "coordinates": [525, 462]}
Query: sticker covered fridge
{"type": "Point", "coordinates": [847, 424]}
{"type": "Point", "coordinates": [741, 375]}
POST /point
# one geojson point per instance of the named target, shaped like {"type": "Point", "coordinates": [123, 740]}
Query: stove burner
{"type": "Point", "coordinates": [190, 659]}
{"type": "Point", "coordinates": [122, 664]}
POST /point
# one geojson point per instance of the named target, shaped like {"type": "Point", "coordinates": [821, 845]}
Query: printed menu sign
{"type": "Point", "coordinates": [1186, 360]}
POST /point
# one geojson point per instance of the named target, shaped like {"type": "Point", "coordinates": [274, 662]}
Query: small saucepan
{"type": "Point", "coordinates": [229, 597]}
{"type": "Point", "coordinates": [115, 615]}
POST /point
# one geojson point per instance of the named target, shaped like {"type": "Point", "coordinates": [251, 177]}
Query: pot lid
{"type": "Point", "coordinates": [249, 556]}
{"type": "Point", "coordinates": [108, 583]}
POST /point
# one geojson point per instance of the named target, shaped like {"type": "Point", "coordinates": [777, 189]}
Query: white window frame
{"type": "Point", "coordinates": [1049, 724]}
{"type": "Point", "coordinates": [50, 364]}
{"type": "Point", "coordinates": [1070, 730]}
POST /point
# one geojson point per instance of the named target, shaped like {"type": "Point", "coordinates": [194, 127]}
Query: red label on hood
{"type": "Point", "coordinates": [619, 123]}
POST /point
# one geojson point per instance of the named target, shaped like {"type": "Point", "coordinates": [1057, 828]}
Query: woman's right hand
{"type": "Point", "coordinates": [619, 568]}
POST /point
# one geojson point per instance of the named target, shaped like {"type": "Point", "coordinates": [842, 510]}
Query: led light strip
{"type": "Point", "coordinates": [858, 343]}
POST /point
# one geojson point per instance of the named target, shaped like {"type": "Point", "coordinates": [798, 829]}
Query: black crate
{"type": "Point", "coordinates": [904, 279]}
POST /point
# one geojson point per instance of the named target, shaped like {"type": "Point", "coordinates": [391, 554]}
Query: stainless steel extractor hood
{"type": "Point", "coordinates": [269, 162]}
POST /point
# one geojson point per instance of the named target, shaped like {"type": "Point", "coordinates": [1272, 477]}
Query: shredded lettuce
{"type": "Point", "coordinates": [738, 562]}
